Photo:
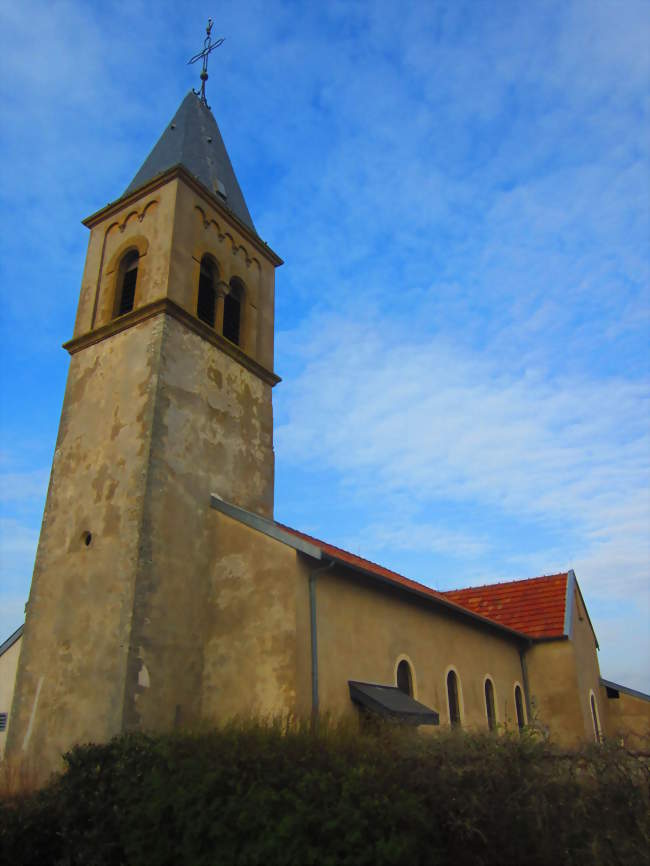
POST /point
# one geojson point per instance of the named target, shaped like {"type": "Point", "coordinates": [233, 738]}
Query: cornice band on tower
{"type": "Point", "coordinates": [169, 307]}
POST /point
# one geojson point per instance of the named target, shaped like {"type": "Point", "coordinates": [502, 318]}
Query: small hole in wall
{"type": "Point", "coordinates": [87, 538]}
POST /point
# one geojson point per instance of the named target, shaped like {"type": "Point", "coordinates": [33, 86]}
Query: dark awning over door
{"type": "Point", "coordinates": [392, 703]}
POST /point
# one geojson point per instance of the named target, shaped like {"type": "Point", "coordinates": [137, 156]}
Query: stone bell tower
{"type": "Point", "coordinates": [168, 400]}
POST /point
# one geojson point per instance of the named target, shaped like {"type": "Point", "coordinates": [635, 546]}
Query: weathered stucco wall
{"type": "Point", "coordinates": [211, 433]}
{"type": "Point", "coordinates": [587, 669]}
{"type": "Point", "coordinates": [364, 629]}
{"type": "Point", "coordinates": [553, 687]}
{"type": "Point", "coordinates": [8, 667]}
{"type": "Point", "coordinates": [71, 678]}
{"type": "Point", "coordinates": [252, 638]}
{"type": "Point", "coordinates": [627, 718]}
{"type": "Point", "coordinates": [562, 674]}
{"type": "Point", "coordinates": [155, 419]}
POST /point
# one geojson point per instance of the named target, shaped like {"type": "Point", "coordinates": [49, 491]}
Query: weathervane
{"type": "Point", "coordinates": [208, 46]}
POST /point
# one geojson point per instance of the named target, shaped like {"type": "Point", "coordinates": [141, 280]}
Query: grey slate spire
{"type": "Point", "coordinates": [193, 140]}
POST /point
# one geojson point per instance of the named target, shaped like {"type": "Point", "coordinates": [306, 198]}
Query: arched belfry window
{"type": "Point", "coordinates": [232, 311]}
{"type": "Point", "coordinates": [127, 278]}
{"type": "Point", "coordinates": [206, 303]}
{"type": "Point", "coordinates": [519, 708]}
{"type": "Point", "coordinates": [490, 710]}
{"type": "Point", "coordinates": [452, 696]}
{"type": "Point", "coordinates": [405, 678]}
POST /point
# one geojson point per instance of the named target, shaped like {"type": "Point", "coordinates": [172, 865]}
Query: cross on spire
{"type": "Point", "coordinates": [208, 46]}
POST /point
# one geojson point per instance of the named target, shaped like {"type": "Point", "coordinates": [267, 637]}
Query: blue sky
{"type": "Point", "coordinates": [460, 192]}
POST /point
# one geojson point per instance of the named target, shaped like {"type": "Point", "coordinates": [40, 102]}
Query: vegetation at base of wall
{"type": "Point", "coordinates": [260, 793]}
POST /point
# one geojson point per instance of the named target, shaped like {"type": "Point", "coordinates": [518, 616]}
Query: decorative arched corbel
{"type": "Point", "coordinates": [137, 214]}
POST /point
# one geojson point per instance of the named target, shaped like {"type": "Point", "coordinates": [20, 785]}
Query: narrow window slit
{"type": "Point", "coordinates": [452, 695]}
{"type": "Point", "coordinates": [206, 302]}
{"type": "Point", "coordinates": [232, 312]}
{"type": "Point", "coordinates": [519, 707]}
{"type": "Point", "coordinates": [128, 280]}
{"type": "Point", "coordinates": [489, 705]}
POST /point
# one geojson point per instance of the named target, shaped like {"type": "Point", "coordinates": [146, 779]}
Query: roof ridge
{"type": "Point", "coordinates": [506, 582]}
{"type": "Point", "coordinates": [394, 576]}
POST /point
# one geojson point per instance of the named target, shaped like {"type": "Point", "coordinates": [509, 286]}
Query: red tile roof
{"type": "Point", "coordinates": [365, 564]}
{"type": "Point", "coordinates": [392, 576]}
{"type": "Point", "coordinates": [535, 606]}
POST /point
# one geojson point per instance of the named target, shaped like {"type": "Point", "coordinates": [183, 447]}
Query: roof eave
{"type": "Point", "coordinates": [417, 714]}
{"type": "Point", "coordinates": [442, 602]}
{"type": "Point", "coordinates": [11, 640]}
{"type": "Point", "coordinates": [264, 525]}
{"type": "Point", "coordinates": [271, 528]}
{"type": "Point", "coordinates": [625, 689]}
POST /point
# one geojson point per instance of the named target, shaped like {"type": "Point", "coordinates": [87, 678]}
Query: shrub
{"type": "Point", "coordinates": [270, 794]}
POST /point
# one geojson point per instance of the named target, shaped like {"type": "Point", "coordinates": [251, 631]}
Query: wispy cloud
{"type": "Point", "coordinates": [27, 486]}
{"type": "Point", "coordinates": [17, 540]}
{"type": "Point", "coordinates": [17, 549]}
{"type": "Point", "coordinates": [12, 614]}
{"type": "Point", "coordinates": [446, 426]}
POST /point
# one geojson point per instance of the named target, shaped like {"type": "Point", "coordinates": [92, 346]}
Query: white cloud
{"type": "Point", "coordinates": [428, 538]}
{"type": "Point", "coordinates": [12, 614]}
{"type": "Point", "coordinates": [441, 426]}
{"type": "Point", "coordinates": [26, 486]}
{"type": "Point", "coordinates": [624, 639]}
{"type": "Point", "coordinates": [16, 539]}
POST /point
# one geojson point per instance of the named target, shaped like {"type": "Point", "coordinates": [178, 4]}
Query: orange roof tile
{"type": "Point", "coordinates": [392, 576]}
{"type": "Point", "coordinates": [365, 564]}
{"type": "Point", "coordinates": [535, 606]}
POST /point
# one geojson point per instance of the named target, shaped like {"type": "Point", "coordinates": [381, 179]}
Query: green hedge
{"type": "Point", "coordinates": [258, 794]}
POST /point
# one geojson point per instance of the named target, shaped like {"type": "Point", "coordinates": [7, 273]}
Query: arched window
{"type": "Point", "coordinates": [232, 311]}
{"type": "Point", "coordinates": [127, 278]}
{"type": "Point", "coordinates": [452, 696]}
{"type": "Point", "coordinates": [405, 678]}
{"type": "Point", "coordinates": [489, 705]}
{"type": "Point", "coordinates": [206, 301]}
{"type": "Point", "coordinates": [594, 717]}
{"type": "Point", "coordinates": [519, 708]}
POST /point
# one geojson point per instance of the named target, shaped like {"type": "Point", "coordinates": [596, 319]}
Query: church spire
{"type": "Point", "coordinates": [193, 140]}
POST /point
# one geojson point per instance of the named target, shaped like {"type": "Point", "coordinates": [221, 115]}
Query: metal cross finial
{"type": "Point", "coordinates": [208, 46]}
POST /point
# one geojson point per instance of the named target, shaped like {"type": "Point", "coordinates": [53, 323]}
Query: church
{"type": "Point", "coordinates": [166, 596]}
